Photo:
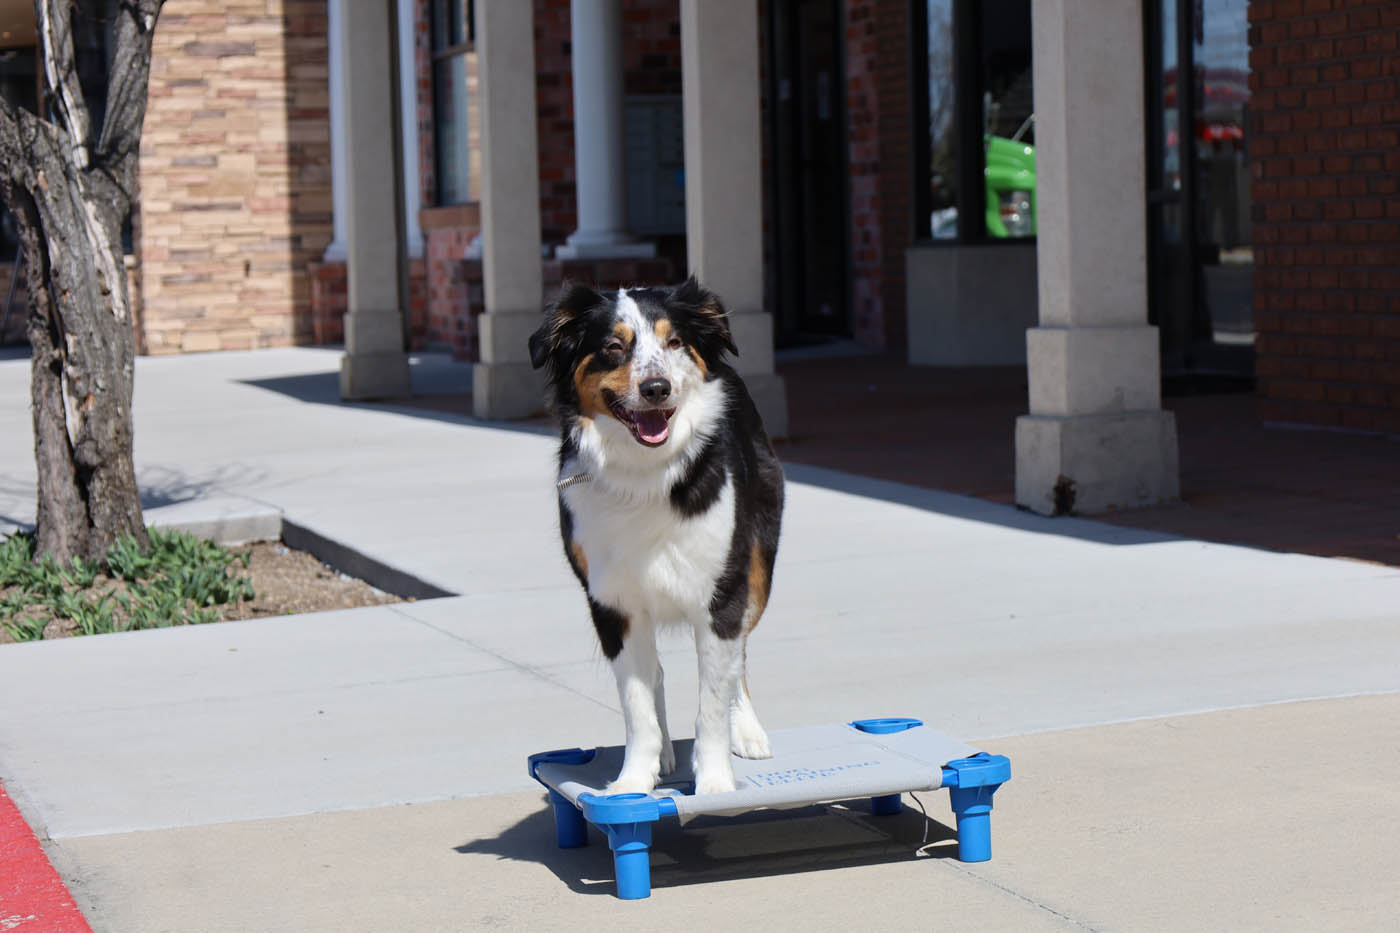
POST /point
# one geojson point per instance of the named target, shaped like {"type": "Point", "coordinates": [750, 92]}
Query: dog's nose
{"type": "Point", "coordinates": [656, 390]}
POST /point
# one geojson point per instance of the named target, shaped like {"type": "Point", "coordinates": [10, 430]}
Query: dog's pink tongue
{"type": "Point", "coordinates": [652, 426]}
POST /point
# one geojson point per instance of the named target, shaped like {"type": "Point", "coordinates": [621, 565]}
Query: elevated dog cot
{"type": "Point", "coordinates": [878, 759]}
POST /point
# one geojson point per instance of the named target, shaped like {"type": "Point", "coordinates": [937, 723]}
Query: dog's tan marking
{"type": "Point", "coordinates": [580, 561]}
{"type": "Point", "coordinates": [623, 332]}
{"type": "Point", "coordinates": [699, 363]}
{"type": "Point", "coordinates": [590, 386]}
{"type": "Point", "coordinates": [758, 589]}
{"type": "Point", "coordinates": [663, 330]}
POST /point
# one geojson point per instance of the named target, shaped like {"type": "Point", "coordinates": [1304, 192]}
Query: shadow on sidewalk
{"type": "Point", "coordinates": [942, 439]}
{"type": "Point", "coordinates": [760, 844]}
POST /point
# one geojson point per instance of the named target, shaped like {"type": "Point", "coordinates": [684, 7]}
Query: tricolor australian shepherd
{"type": "Point", "coordinates": [670, 500]}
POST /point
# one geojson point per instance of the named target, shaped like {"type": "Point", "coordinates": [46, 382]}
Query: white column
{"type": "Point", "coordinates": [504, 385]}
{"type": "Point", "coordinates": [408, 120]}
{"type": "Point", "coordinates": [335, 250]}
{"type": "Point", "coordinates": [595, 28]}
{"type": "Point", "coordinates": [724, 185]}
{"type": "Point", "coordinates": [1096, 437]}
{"type": "Point", "coordinates": [375, 364]}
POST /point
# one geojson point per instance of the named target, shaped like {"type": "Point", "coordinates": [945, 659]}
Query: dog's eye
{"type": "Point", "coordinates": [674, 343]}
{"type": "Point", "coordinates": [613, 346]}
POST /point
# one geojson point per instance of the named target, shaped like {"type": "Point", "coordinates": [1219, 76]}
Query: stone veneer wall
{"type": "Point", "coordinates": [235, 174]}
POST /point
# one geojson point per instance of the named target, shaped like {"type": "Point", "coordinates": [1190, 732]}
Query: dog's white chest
{"type": "Point", "coordinates": [647, 560]}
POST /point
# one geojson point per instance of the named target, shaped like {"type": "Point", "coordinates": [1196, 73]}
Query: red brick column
{"type": "Point", "coordinates": [881, 167]}
{"type": "Point", "coordinates": [1325, 158]}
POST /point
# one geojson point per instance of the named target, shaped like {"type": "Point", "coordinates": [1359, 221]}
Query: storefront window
{"type": "Point", "coordinates": [977, 174]}
{"type": "Point", "coordinates": [1008, 117]}
{"type": "Point", "coordinates": [456, 123]}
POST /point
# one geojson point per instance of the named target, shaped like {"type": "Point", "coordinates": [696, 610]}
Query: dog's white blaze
{"type": "Point", "coordinates": [648, 355]}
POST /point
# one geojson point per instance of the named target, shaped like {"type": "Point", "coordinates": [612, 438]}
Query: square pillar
{"type": "Point", "coordinates": [504, 385]}
{"type": "Point", "coordinates": [375, 364]}
{"type": "Point", "coordinates": [724, 183]}
{"type": "Point", "coordinates": [1096, 437]}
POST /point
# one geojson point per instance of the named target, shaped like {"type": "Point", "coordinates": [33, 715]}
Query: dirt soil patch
{"type": "Point", "coordinates": [285, 582]}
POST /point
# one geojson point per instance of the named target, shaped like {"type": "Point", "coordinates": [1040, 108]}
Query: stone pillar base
{"type": "Point", "coordinates": [769, 394]}
{"type": "Point", "coordinates": [1084, 464]}
{"type": "Point", "coordinates": [507, 390]}
{"type": "Point", "coordinates": [365, 376]}
{"type": "Point", "coordinates": [620, 249]}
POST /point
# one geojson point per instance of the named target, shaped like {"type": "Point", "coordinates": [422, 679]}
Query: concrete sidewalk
{"type": "Point", "coordinates": [258, 775]}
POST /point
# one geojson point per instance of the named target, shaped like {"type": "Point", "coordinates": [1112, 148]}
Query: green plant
{"type": "Point", "coordinates": [180, 580]}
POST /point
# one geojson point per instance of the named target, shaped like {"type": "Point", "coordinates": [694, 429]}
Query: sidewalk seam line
{"type": "Point", "coordinates": [516, 665]}
{"type": "Point", "coordinates": [1017, 895]}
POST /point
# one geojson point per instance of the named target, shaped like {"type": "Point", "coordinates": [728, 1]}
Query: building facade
{"type": "Point", "coordinates": [901, 192]}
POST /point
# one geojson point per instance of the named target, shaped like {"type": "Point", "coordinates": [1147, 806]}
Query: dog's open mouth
{"type": "Point", "coordinates": [650, 426]}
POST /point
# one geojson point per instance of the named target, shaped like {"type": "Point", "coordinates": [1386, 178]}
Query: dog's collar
{"type": "Point", "coordinates": [574, 480]}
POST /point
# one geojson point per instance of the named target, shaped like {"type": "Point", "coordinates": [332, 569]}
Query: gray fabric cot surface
{"type": "Point", "coordinates": [814, 764]}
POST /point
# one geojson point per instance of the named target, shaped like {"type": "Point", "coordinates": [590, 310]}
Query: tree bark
{"type": "Point", "coordinates": [71, 195]}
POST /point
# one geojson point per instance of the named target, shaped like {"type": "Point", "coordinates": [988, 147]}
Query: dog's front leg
{"type": "Point", "coordinates": [721, 662]}
{"type": "Point", "coordinates": [638, 674]}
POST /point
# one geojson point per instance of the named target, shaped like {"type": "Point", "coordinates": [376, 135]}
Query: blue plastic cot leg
{"type": "Point", "coordinates": [971, 782]}
{"type": "Point", "coordinates": [886, 804]}
{"type": "Point", "coordinates": [627, 819]}
{"type": "Point", "coordinates": [570, 828]}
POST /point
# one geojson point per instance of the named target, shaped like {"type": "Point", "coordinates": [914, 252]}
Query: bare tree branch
{"type": "Point", "coordinates": [127, 79]}
{"type": "Point", "coordinates": [54, 19]}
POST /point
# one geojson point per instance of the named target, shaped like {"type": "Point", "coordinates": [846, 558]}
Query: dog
{"type": "Point", "coordinates": [670, 507]}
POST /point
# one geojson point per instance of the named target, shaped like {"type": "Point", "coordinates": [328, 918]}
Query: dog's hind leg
{"type": "Point", "coordinates": [746, 736]}
{"type": "Point", "coordinates": [638, 674]}
{"type": "Point", "coordinates": [668, 751]}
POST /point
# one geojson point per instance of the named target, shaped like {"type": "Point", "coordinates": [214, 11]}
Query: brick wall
{"type": "Point", "coordinates": [1325, 157]}
{"type": "Point", "coordinates": [651, 43]}
{"type": "Point", "coordinates": [235, 174]}
{"type": "Point", "coordinates": [881, 168]}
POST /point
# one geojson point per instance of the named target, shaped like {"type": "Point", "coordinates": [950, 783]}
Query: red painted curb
{"type": "Point", "coordinates": [32, 896]}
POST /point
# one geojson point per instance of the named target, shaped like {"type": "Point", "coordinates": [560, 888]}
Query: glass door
{"type": "Point", "coordinates": [1202, 261]}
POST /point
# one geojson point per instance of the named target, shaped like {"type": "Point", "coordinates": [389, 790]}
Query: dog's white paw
{"type": "Point", "coordinates": [746, 737]}
{"type": "Point", "coordinates": [668, 757]}
{"type": "Point", "coordinates": [712, 782]}
{"type": "Point", "coordinates": [631, 784]}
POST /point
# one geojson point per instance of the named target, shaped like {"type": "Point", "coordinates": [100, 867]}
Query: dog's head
{"type": "Point", "coordinates": [631, 360]}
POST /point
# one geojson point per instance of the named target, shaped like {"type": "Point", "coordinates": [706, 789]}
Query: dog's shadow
{"type": "Point", "coordinates": [761, 843]}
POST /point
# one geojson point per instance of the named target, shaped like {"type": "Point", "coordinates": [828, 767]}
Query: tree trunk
{"type": "Point", "coordinates": [71, 197]}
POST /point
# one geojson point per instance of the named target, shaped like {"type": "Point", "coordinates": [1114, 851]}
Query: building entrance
{"type": "Point", "coordinates": [1201, 255]}
{"type": "Point", "coordinates": [809, 169]}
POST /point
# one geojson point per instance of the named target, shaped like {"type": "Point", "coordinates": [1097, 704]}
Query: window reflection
{"type": "Point", "coordinates": [942, 105]}
{"type": "Point", "coordinates": [456, 120]}
{"type": "Point", "coordinates": [1008, 117]}
{"type": "Point", "coordinates": [980, 173]}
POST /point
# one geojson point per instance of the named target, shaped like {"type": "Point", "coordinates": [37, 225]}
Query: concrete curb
{"type": "Point", "coordinates": [225, 520]}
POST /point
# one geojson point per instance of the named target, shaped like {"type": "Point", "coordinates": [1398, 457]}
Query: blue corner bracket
{"type": "Point", "coordinates": [971, 782]}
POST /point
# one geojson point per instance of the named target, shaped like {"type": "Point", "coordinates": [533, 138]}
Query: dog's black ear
{"type": "Point", "coordinates": [539, 346]}
{"type": "Point", "coordinates": [559, 336]}
{"type": "Point", "coordinates": [710, 319]}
